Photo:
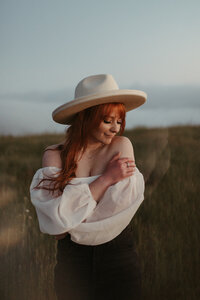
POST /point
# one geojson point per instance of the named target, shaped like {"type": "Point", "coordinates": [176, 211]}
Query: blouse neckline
{"type": "Point", "coordinates": [78, 178]}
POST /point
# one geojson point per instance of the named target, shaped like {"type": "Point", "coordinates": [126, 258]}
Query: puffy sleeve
{"type": "Point", "coordinates": [119, 197]}
{"type": "Point", "coordinates": [59, 214]}
{"type": "Point", "coordinates": [113, 213]}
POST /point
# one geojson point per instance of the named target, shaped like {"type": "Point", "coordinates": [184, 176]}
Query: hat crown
{"type": "Point", "coordinates": [95, 84]}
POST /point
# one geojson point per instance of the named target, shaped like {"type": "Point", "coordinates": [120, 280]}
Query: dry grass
{"type": "Point", "coordinates": [167, 228]}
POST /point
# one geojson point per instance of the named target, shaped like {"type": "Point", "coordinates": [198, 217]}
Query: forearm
{"type": "Point", "coordinates": [99, 186]}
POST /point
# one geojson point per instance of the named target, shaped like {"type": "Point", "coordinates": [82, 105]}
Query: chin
{"type": "Point", "coordinates": [107, 141]}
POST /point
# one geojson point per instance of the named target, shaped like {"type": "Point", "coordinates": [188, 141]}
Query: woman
{"type": "Point", "coordinates": [87, 192]}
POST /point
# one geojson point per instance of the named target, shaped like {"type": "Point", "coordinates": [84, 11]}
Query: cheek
{"type": "Point", "coordinates": [97, 133]}
{"type": "Point", "coordinates": [102, 128]}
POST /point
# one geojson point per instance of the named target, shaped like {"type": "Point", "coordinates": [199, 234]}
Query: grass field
{"type": "Point", "coordinates": [167, 225]}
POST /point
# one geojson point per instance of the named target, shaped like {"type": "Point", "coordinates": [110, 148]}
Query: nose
{"type": "Point", "coordinates": [115, 127]}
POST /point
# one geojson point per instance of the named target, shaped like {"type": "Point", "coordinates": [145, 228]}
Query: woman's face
{"type": "Point", "coordinates": [107, 129]}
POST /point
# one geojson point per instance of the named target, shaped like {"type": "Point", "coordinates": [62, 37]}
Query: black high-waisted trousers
{"type": "Point", "coordinates": [107, 271]}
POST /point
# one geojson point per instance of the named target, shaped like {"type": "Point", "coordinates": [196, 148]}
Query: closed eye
{"type": "Point", "coordinates": [108, 122]}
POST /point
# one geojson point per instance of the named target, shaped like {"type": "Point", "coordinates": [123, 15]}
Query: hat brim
{"type": "Point", "coordinates": [130, 98]}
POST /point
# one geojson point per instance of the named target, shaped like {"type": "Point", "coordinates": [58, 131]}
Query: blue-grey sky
{"type": "Point", "coordinates": [47, 46]}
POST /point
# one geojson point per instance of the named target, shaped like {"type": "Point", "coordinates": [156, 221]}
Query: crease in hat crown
{"type": "Point", "coordinates": [95, 84]}
{"type": "Point", "coordinates": [95, 90]}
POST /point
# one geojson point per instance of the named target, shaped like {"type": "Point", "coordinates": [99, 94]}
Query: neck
{"type": "Point", "coordinates": [93, 148]}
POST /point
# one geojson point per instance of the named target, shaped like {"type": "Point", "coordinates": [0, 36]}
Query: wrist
{"type": "Point", "coordinates": [106, 180]}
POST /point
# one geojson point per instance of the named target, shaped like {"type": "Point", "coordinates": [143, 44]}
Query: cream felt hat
{"type": "Point", "coordinates": [95, 90]}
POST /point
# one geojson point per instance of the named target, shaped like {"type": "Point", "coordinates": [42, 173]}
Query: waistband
{"type": "Point", "coordinates": [124, 239]}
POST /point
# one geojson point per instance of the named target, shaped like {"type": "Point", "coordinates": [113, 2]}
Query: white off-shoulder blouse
{"type": "Point", "coordinates": [76, 212]}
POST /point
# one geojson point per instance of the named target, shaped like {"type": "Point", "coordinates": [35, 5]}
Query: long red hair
{"type": "Point", "coordinates": [76, 142]}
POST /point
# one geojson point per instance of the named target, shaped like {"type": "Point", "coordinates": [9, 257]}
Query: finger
{"type": "Point", "coordinates": [115, 157]}
{"type": "Point", "coordinates": [130, 170]}
{"type": "Point", "coordinates": [126, 159]}
{"type": "Point", "coordinates": [129, 174]}
{"type": "Point", "coordinates": [130, 164]}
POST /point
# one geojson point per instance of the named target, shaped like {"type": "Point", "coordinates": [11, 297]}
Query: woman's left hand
{"type": "Point", "coordinates": [61, 236]}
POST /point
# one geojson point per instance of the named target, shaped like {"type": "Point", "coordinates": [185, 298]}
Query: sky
{"type": "Point", "coordinates": [47, 47]}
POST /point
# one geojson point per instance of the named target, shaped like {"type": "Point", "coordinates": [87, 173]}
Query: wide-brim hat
{"type": "Point", "coordinates": [95, 90]}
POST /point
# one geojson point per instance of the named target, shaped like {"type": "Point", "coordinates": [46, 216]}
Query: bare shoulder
{"type": "Point", "coordinates": [51, 157]}
{"type": "Point", "coordinates": [122, 144]}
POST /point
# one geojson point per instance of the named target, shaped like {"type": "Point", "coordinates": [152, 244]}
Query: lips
{"type": "Point", "coordinates": [110, 136]}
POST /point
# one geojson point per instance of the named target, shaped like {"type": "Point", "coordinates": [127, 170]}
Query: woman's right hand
{"type": "Point", "coordinates": [118, 168]}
